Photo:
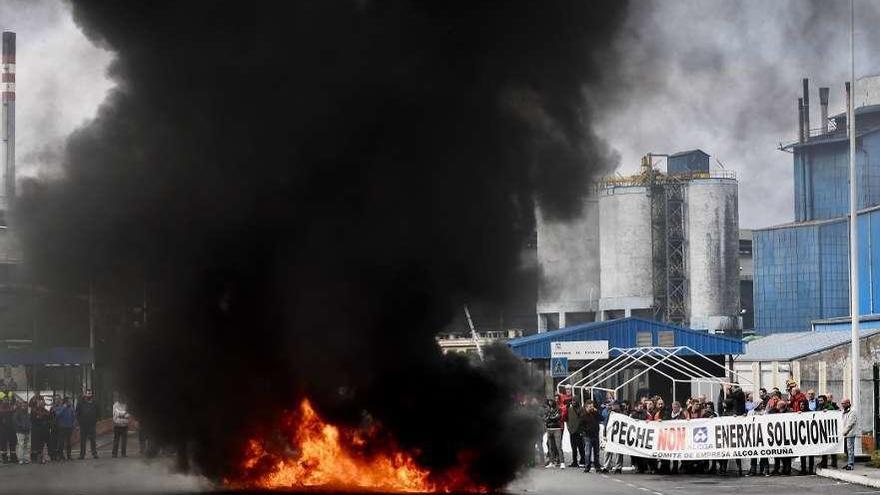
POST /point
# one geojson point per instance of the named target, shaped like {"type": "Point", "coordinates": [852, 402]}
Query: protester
{"type": "Point", "coordinates": [781, 465]}
{"type": "Point", "coordinates": [39, 429]}
{"type": "Point", "coordinates": [7, 429]}
{"type": "Point", "coordinates": [849, 430]}
{"type": "Point", "coordinates": [120, 426]}
{"type": "Point", "coordinates": [22, 421]}
{"type": "Point", "coordinates": [87, 417]}
{"type": "Point", "coordinates": [639, 413]}
{"type": "Point", "coordinates": [732, 408]}
{"type": "Point", "coordinates": [553, 426]}
{"type": "Point", "coordinates": [65, 421]}
{"type": "Point", "coordinates": [738, 398]}
{"type": "Point", "coordinates": [533, 410]}
{"type": "Point", "coordinates": [675, 414]}
{"type": "Point", "coordinates": [590, 428]}
{"type": "Point", "coordinates": [616, 407]}
{"type": "Point", "coordinates": [54, 444]}
{"type": "Point", "coordinates": [575, 434]}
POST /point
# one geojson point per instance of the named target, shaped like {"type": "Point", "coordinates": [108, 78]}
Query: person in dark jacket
{"type": "Point", "coordinates": [54, 444]}
{"type": "Point", "coordinates": [638, 412]}
{"type": "Point", "coordinates": [738, 398]}
{"type": "Point", "coordinates": [39, 429]}
{"type": "Point", "coordinates": [7, 430]}
{"type": "Point", "coordinates": [781, 465]}
{"type": "Point", "coordinates": [553, 426]}
{"type": "Point", "coordinates": [730, 409]}
{"type": "Point", "coordinates": [575, 435]}
{"type": "Point", "coordinates": [590, 429]}
{"type": "Point", "coordinates": [21, 420]}
{"type": "Point", "coordinates": [87, 417]}
{"type": "Point", "coordinates": [533, 410]}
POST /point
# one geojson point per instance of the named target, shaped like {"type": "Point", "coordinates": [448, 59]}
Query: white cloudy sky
{"type": "Point", "coordinates": [718, 75]}
{"type": "Point", "coordinates": [60, 79]}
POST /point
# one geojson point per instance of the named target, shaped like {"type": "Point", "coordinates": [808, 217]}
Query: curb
{"type": "Point", "coordinates": [849, 477]}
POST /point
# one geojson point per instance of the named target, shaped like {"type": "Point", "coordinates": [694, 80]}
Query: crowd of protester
{"type": "Point", "coordinates": [585, 420]}
{"type": "Point", "coordinates": [40, 429]}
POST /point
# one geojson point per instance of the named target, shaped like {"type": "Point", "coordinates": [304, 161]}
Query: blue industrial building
{"type": "Point", "coordinates": [626, 333]}
{"type": "Point", "coordinates": [802, 268]}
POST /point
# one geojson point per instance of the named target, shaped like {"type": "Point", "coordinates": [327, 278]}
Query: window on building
{"type": "Point", "coordinates": [644, 339]}
{"type": "Point", "coordinates": [666, 338]}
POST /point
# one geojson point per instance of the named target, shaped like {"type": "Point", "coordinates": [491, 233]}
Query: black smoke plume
{"type": "Point", "coordinates": [306, 194]}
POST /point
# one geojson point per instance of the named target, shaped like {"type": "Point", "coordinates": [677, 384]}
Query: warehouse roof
{"type": "Point", "coordinates": [624, 333]}
{"type": "Point", "coordinates": [788, 346]}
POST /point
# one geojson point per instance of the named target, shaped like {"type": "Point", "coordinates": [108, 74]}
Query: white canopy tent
{"type": "Point", "coordinates": [666, 361]}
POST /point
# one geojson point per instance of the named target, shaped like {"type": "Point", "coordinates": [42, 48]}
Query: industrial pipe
{"type": "Point", "coordinates": [806, 109]}
{"type": "Point", "coordinates": [801, 120]}
{"type": "Point", "coordinates": [823, 108]}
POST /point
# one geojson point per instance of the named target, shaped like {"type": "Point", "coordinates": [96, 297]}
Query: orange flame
{"type": "Point", "coordinates": [331, 458]}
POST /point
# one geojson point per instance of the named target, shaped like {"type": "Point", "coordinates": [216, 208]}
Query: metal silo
{"type": "Point", "coordinates": [625, 251]}
{"type": "Point", "coordinates": [713, 250]}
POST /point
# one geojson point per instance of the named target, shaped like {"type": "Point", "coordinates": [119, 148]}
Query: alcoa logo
{"type": "Point", "coordinates": [701, 434]}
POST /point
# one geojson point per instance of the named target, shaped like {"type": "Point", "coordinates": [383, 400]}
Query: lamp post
{"type": "Point", "coordinates": [853, 223]}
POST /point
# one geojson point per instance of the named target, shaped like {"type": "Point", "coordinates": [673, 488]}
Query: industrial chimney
{"type": "Point", "coordinates": [850, 119]}
{"type": "Point", "coordinates": [800, 120]}
{"type": "Point", "coordinates": [8, 117]}
{"type": "Point", "coordinates": [806, 109]}
{"type": "Point", "coordinates": [823, 108]}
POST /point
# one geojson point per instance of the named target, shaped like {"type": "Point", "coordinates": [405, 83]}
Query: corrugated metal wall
{"type": "Point", "coordinates": [802, 273]}
{"type": "Point", "coordinates": [821, 179]}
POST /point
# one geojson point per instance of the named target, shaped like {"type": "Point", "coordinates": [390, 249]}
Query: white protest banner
{"type": "Point", "coordinates": [728, 437]}
{"type": "Point", "coordinates": [580, 349]}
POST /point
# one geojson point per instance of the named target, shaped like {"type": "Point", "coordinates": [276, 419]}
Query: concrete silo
{"type": "Point", "coordinates": [713, 248]}
{"type": "Point", "coordinates": [568, 263]}
{"type": "Point", "coordinates": [625, 251]}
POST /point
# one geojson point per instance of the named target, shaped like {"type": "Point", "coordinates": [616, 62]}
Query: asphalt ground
{"type": "Point", "coordinates": [136, 475]}
{"type": "Point", "coordinates": [574, 481]}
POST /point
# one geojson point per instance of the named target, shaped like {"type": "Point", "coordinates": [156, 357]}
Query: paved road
{"type": "Point", "coordinates": [574, 481]}
{"type": "Point", "coordinates": [135, 475]}
{"type": "Point", "coordinates": [104, 475]}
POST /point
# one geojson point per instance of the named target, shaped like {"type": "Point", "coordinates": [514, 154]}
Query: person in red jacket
{"type": "Point", "coordinates": [798, 402]}
{"type": "Point", "coordinates": [561, 403]}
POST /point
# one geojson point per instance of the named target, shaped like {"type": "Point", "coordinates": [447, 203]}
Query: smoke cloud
{"type": "Point", "coordinates": [725, 77]}
{"type": "Point", "coordinates": [305, 196]}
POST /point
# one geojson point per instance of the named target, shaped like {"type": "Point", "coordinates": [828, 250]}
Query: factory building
{"type": "Point", "coordinates": [654, 245]}
{"type": "Point", "coordinates": [802, 268]}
